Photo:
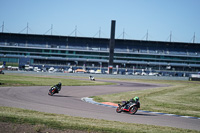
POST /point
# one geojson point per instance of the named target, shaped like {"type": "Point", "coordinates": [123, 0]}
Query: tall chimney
{"type": "Point", "coordinates": [111, 46]}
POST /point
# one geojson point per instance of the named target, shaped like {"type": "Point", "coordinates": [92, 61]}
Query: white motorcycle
{"type": "Point", "coordinates": [92, 78]}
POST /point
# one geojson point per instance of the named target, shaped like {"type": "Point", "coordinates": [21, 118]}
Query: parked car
{"type": "Point", "coordinates": [137, 73]}
{"type": "Point", "coordinates": [92, 71]}
{"type": "Point", "coordinates": [115, 73]}
{"type": "Point", "coordinates": [80, 71]}
{"type": "Point", "coordinates": [98, 71]}
{"type": "Point", "coordinates": [129, 73]}
{"type": "Point", "coordinates": [153, 74]}
{"type": "Point", "coordinates": [143, 73]}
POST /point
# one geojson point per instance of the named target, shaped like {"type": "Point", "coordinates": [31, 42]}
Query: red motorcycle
{"type": "Point", "coordinates": [132, 108]}
{"type": "Point", "coordinates": [53, 90]}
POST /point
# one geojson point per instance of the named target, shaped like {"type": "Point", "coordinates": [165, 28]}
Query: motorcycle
{"type": "Point", "coordinates": [1, 72]}
{"type": "Point", "coordinates": [53, 90]}
{"type": "Point", "coordinates": [132, 108]}
{"type": "Point", "coordinates": [92, 78]}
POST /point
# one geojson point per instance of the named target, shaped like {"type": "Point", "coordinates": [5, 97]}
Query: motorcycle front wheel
{"type": "Point", "coordinates": [50, 94]}
{"type": "Point", "coordinates": [119, 110]}
{"type": "Point", "coordinates": [133, 110]}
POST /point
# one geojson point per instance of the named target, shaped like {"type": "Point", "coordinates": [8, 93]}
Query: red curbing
{"type": "Point", "coordinates": [109, 103]}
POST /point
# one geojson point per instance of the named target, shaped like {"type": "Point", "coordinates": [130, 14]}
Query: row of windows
{"type": "Point", "coordinates": [123, 56]}
{"type": "Point", "coordinates": [13, 60]}
{"type": "Point", "coordinates": [52, 51]}
{"type": "Point", "coordinates": [156, 60]}
{"type": "Point", "coordinates": [106, 58]}
{"type": "Point", "coordinates": [58, 56]}
{"type": "Point", "coordinates": [160, 57]}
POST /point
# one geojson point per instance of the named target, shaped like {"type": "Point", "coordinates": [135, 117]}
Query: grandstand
{"type": "Point", "coordinates": [66, 51]}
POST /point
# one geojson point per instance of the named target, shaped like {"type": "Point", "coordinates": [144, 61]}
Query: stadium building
{"type": "Point", "coordinates": [65, 51]}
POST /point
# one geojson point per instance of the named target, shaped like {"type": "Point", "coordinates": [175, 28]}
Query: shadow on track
{"type": "Point", "coordinates": [61, 96]}
{"type": "Point", "coordinates": [138, 114]}
{"type": "Point", "coordinates": [144, 114]}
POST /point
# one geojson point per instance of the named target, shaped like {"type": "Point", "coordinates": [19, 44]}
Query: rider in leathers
{"type": "Point", "coordinates": [132, 100]}
{"type": "Point", "coordinates": [58, 87]}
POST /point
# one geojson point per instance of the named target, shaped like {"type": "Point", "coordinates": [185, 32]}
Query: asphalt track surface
{"type": "Point", "coordinates": [69, 102]}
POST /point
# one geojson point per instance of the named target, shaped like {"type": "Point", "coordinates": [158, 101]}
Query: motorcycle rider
{"type": "Point", "coordinates": [58, 87]}
{"type": "Point", "coordinates": [91, 78]}
{"type": "Point", "coordinates": [132, 100]}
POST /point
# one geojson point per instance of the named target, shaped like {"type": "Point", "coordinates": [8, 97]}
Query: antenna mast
{"type": "Point", "coordinates": [51, 29]}
{"type": "Point", "coordinates": [27, 29]}
{"type": "Point", "coordinates": [123, 33]}
{"type": "Point", "coordinates": [194, 38]}
{"type": "Point", "coordinates": [76, 31]}
{"type": "Point", "coordinates": [3, 27]}
{"type": "Point", "coordinates": [147, 35]}
{"type": "Point", "coordinates": [99, 32]}
{"type": "Point", "coordinates": [170, 37]}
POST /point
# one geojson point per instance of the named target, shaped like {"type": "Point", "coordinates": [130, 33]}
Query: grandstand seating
{"type": "Point", "coordinates": [130, 49]}
{"type": "Point", "coordinates": [84, 49]}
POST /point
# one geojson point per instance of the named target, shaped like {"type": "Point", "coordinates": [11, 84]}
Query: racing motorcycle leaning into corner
{"type": "Point", "coordinates": [92, 78]}
{"type": "Point", "coordinates": [130, 106]}
{"type": "Point", "coordinates": [55, 89]}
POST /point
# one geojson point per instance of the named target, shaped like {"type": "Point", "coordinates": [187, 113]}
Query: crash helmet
{"type": "Point", "coordinates": [136, 98]}
{"type": "Point", "coordinates": [59, 84]}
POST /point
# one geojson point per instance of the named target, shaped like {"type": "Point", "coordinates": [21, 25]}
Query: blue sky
{"type": "Point", "coordinates": [134, 17]}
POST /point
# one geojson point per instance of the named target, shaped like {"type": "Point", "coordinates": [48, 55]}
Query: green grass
{"type": "Point", "coordinates": [63, 122]}
{"type": "Point", "coordinates": [181, 97]}
{"type": "Point", "coordinates": [22, 80]}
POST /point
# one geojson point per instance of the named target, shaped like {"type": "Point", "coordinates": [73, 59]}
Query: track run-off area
{"type": "Point", "coordinates": [69, 101]}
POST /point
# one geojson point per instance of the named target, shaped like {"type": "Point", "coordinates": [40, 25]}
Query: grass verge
{"type": "Point", "coordinates": [22, 80]}
{"type": "Point", "coordinates": [181, 97]}
{"type": "Point", "coordinates": [64, 122]}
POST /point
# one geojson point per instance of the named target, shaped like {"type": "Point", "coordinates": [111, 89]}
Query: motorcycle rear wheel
{"type": "Point", "coordinates": [133, 110]}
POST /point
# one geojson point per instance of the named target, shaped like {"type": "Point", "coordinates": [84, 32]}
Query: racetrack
{"type": "Point", "coordinates": [69, 102]}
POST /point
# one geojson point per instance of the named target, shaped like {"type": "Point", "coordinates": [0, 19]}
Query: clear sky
{"type": "Point", "coordinates": [133, 18]}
